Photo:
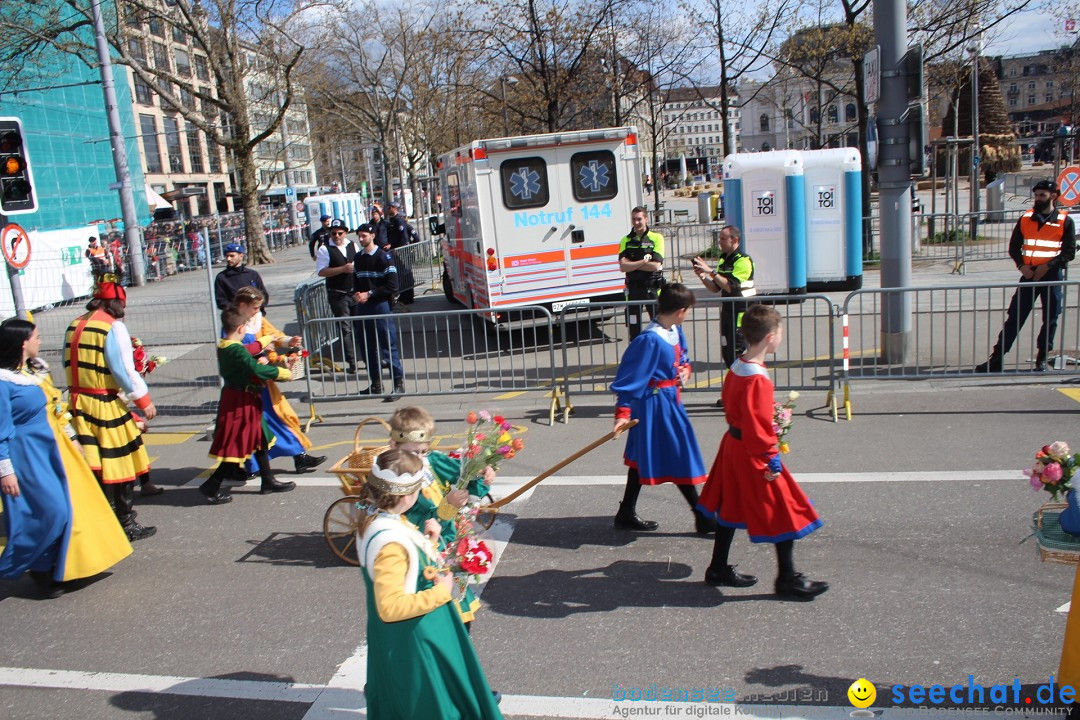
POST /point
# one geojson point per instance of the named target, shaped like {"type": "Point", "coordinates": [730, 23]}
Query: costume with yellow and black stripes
{"type": "Point", "coordinates": [103, 425]}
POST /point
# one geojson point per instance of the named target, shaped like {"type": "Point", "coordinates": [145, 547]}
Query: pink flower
{"type": "Point", "coordinates": [1036, 483]}
{"type": "Point", "coordinates": [1053, 473]}
{"type": "Point", "coordinates": [481, 437]}
{"type": "Point", "coordinates": [503, 449]}
{"type": "Point", "coordinates": [1059, 449]}
{"type": "Point", "coordinates": [485, 415]}
{"type": "Point", "coordinates": [505, 425]}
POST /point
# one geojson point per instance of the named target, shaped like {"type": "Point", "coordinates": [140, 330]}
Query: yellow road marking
{"type": "Point", "coordinates": [1073, 393]}
{"type": "Point", "coordinates": [587, 371]}
{"type": "Point", "coordinates": [435, 440]}
{"type": "Point", "coordinates": [167, 438]}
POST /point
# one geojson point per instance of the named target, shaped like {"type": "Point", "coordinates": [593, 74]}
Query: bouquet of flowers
{"type": "Point", "coordinates": [1053, 470]}
{"type": "Point", "coordinates": [290, 357]}
{"type": "Point", "coordinates": [468, 557]}
{"type": "Point", "coordinates": [487, 443]}
{"type": "Point", "coordinates": [144, 362]}
{"type": "Point", "coordinates": [781, 422]}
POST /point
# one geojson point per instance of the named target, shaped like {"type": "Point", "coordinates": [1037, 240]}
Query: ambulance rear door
{"type": "Point", "coordinates": [552, 217]}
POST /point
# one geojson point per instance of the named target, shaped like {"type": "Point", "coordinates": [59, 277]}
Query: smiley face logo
{"type": "Point", "coordinates": [862, 693]}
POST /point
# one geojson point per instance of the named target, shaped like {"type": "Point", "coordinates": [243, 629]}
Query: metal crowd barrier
{"type": "Point", "coordinates": [953, 329]}
{"type": "Point", "coordinates": [442, 353]}
{"type": "Point", "coordinates": [419, 265]}
{"type": "Point", "coordinates": [594, 337]}
{"type": "Point", "coordinates": [985, 235]}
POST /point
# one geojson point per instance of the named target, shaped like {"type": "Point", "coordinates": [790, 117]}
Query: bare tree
{"type": "Point", "coordinates": [252, 49]}
{"type": "Point", "coordinates": [547, 46]}
{"type": "Point", "coordinates": [740, 41]}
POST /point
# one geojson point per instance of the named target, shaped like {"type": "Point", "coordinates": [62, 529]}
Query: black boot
{"type": "Point", "coordinates": [307, 463]}
{"type": "Point", "coordinates": [374, 389]}
{"type": "Point", "coordinates": [993, 364]}
{"type": "Point", "coordinates": [47, 588]}
{"type": "Point", "coordinates": [627, 519]}
{"type": "Point", "coordinates": [270, 484]}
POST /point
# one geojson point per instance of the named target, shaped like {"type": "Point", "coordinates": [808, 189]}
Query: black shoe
{"type": "Point", "coordinates": [47, 588]}
{"type": "Point", "coordinates": [627, 519]}
{"type": "Point", "coordinates": [307, 463]}
{"type": "Point", "coordinates": [1040, 366]}
{"type": "Point", "coordinates": [275, 486]}
{"type": "Point", "coordinates": [399, 387]}
{"type": "Point", "coordinates": [371, 390]}
{"type": "Point", "coordinates": [135, 531]}
{"type": "Point", "coordinates": [704, 525]}
{"type": "Point", "coordinates": [218, 498]}
{"type": "Point", "coordinates": [350, 369]}
{"type": "Point", "coordinates": [728, 577]}
{"type": "Point", "coordinates": [992, 364]}
{"type": "Point", "coordinates": [797, 586]}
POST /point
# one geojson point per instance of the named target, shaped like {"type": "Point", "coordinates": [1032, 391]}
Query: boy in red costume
{"type": "Point", "coordinates": [748, 486]}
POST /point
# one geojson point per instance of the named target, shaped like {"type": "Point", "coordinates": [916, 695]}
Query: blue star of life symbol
{"type": "Point", "coordinates": [524, 183]}
{"type": "Point", "coordinates": [594, 176]}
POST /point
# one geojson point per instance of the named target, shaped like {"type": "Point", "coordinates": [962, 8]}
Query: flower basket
{"type": "Point", "coordinates": [1055, 545]}
{"type": "Point", "coordinates": [352, 470]}
{"type": "Point", "coordinates": [295, 365]}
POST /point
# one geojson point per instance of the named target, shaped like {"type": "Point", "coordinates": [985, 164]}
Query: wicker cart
{"type": "Point", "coordinates": [341, 521]}
{"type": "Point", "coordinates": [1055, 545]}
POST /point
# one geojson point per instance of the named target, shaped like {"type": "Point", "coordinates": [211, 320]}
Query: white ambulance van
{"type": "Point", "coordinates": [537, 220]}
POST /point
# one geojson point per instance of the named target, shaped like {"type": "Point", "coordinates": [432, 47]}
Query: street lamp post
{"type": "Point", "coordinates": [503, 81]}
{"type": "Point", "coordinates": [975, 48]}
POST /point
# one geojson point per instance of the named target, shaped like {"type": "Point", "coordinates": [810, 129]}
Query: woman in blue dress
{"type": "Point", "coordinates": [37, 511]}
{"type": "Point", "coordinates": [662, 447]}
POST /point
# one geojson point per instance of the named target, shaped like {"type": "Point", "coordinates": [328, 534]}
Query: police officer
{"type": "Point", "coordinates": [641, 257]}
{"type": "Point", "coordinates": [375, 283]}
{"type": "Point", "coordinates": [732, 278]}
{"type": "Point", "coordinates": [334, 261]}
{"type": "Point", "coordinates": [320, 237]}
{"type": "Point", "coordinates": [1042, 244]}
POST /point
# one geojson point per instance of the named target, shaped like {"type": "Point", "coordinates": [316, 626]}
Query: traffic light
{"type": "Point", "coordinates": [16, 180]}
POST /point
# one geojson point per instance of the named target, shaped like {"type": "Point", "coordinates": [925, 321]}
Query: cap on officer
{"type": "Point", "coordinates": [374, 209]}
{"type": "Point", "coordinates": [1046, 185]}
{"type": "Point", "coordinates": [339, 225]}
{"type": "Point", "coordinates": [326, 217]}
{"type": "Point", "coordinates": [395, 205]}
{"type": "Point", "coordinates": [234, 247]}
{"type": "Point", "coordinates": [366, 228]}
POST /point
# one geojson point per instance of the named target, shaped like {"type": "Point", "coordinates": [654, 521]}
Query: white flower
{"type": "Point", "coordinates": [792, 396]}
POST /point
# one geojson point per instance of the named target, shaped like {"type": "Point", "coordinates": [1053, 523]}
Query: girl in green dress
{"type": "Point", "coordinates": [421, 663]}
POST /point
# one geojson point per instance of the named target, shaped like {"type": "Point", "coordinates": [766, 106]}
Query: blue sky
{"type": "Point", "coordinates": [1028, 32]}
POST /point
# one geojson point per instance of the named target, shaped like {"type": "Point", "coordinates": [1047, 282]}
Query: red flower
{"type": "Point", "coordinates": [471, 418]}
{"type": "Point", "coordinates": [474, 556]}
{"type": "Point", "coordinates": [498, 419]}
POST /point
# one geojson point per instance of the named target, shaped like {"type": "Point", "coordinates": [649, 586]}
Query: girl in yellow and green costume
{"type": "Point", "coordinates": [412, 428]}
{"type": "Point", "coordinates": [421, 663]}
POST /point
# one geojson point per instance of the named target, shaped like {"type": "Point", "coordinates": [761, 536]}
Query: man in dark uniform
{"type": "Point", "coordinates": [235, 276]}
{"type": "Point", "coordinates": [399, 234]}
{"type": "Point", "coordinates": [378, 222]}
{"type": "Point", "coordinates": [375, 283]}
{"type": "Point", "coordinates": [733, 277]}
{"type": "Point", "coordinates": [641, 257]}
{"type": "Point", "coordinates": [334, 261]}
{"type": "Point", "coordinates": [320, 237]}
{"type": "Point", "coordinates": [1043, 243]}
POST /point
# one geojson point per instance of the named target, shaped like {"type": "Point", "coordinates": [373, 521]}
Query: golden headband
{"type": "Point", "coordinates": [391, 483]}
{"type": "Point", "coordinates": [416, 436]}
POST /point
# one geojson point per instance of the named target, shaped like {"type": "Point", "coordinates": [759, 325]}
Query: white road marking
{"type": "Point", "coordinates": [505, 485]}
{"type": "Point", "coordinates": [343, 696]}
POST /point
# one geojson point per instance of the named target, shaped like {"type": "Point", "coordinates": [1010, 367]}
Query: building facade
{"type": "Point", "coordinates": [795, 113]}
{"type": "Point", "coordinates": [693, 128]}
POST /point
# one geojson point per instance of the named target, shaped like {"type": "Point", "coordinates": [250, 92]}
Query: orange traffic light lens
{"type": "Point", "coordinates": [13, 166]}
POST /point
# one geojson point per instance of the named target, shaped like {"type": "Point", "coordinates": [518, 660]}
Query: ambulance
{"type": "Point", "coordinates": [537, 219]}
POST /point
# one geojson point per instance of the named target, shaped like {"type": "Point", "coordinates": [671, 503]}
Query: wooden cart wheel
{"type": "Point", "coordinates": [339, 529]}
{"type": "Point", "coordinates": [486, 518]}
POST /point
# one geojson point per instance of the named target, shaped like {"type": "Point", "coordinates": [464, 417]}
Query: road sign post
{"type": "Point", "coordinates": [16, 250]}
{"type": "Point", "coordinates": [1068, 182]}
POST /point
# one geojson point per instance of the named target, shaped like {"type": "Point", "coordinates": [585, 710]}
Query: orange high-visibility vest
{"type": "Point", "coordinates": [1042, 244]}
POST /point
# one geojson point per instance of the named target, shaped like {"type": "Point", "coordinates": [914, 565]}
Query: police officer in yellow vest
{"type": "Point", "coordinates": [1042, 244]}
{"type": "Point", "coordinates": [641, 257]}
{"type": "Point", "coordinates": [733, 277]}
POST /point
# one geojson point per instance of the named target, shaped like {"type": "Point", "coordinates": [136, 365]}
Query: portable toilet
{"type": "Point", "coordinates": [341, 206]}
{"type": "Point", "coordinates": [764, 198]}
{"type": "Point", "coordinates": [833, 187]}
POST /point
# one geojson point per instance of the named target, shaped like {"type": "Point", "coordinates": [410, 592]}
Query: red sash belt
{"type": "Point", "coordinates": [674, 382]}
